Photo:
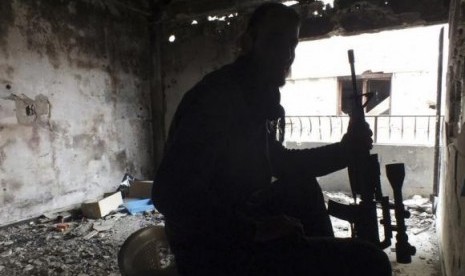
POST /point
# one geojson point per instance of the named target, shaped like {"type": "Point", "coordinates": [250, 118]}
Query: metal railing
{"type": "Point", "coordinates": [401, 130]}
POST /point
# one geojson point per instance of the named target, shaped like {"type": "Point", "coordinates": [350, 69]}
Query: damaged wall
{"type": "Point", "coordinates": [74, 103]}
{"type": "Point", "coordinates": [200, 46]}
{"type": "Point", "coordinates": [451, 213]}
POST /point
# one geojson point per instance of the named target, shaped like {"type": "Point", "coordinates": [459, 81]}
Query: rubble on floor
{"type": "Point", "coordinates": [70, 244]}
{"type": "Point", "coordinates": [84, 247]}
{"type": "Point", "coordinates": [421, 230]}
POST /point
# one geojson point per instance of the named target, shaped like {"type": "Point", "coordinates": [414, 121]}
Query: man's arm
{"type": "Point", "coordinates": [322, 160]}
{"type": "Point", "coordinates": [307, 162]}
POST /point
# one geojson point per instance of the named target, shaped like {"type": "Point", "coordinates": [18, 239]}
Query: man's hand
{"type": "Point", "coordinates": [358, 138]}
{"type": "Point", "coordinates": [277, 227]}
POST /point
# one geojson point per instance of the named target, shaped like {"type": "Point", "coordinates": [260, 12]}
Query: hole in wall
{"type": "Point", "coordinates": [8, 86]}
{"type": "Point", "coordinates": [30, 110]}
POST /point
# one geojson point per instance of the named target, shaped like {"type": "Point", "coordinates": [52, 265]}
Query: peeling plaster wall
{"type": "Point", "coordinates": [451, 212]}
{"type": "Point", "coordinates": [74, 103]}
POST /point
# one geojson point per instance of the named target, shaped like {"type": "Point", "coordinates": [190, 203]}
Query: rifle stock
{"type": "Point", "coordinates": [364, 177]}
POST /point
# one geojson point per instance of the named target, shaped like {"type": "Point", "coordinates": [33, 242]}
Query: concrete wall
{"type": "Point", "coordinates": [418, 162]}
{"type": "Point", "coordinates": [315, 96]}
{"type": "Point", "coordinates": [197, 50]}
{"type": "Point", "coordinates": [75, 109]}
{"type": "Point", "coordinates": [412, 62]}
{"type": "Point", "coordinates": [451, 210]}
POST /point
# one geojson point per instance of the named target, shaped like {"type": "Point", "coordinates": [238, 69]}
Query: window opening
{"type": "Point", "coordinates": [377, 84]}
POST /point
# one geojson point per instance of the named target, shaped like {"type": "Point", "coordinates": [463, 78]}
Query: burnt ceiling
{"type": "Point", "coordinates": [349, 16]}
{"type": "Point", "coordinates": [318, 19]}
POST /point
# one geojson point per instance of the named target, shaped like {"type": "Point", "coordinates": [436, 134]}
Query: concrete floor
{"type": "Point", "coordinates": [421, 231]}
{"type": "Point", "coordinates": [36, 248]}
{"type": "Point", "coordinates": [424, 263]}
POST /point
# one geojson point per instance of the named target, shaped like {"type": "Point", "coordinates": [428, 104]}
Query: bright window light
{"type": "Point", "coordinates": [216, 18]}
{"type": "Point", "coordinates": [326, 2]}
{"type": "Point", "coordinates": [290, 3]}
{"type": "Point", "coordinates": [172, 38]}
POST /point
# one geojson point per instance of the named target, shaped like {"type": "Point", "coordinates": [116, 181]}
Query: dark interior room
{"type": "Point", "coordinates": [129, 127]}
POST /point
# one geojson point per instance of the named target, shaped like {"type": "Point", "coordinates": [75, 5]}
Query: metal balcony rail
{"type": "Point", "coordinates": [399, 130]}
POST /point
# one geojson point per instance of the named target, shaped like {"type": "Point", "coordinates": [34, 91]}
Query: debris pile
{"type": "Point", "coordinates": [78, 246]}
{"type": "Point", "coordinates": [79, 242]}
{"type": "Point", "coordinates": [421, 214]}
{"type": "Point", "coordinates": [421, 230]}
{"type": "Point", "coordinates": [69, 243]}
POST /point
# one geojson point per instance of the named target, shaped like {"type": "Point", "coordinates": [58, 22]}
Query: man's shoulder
{"type": "Point", "coordinates": [215, 89]}
{"type": "Point", "coordinates": [226, 77]}
{"type": "Point", "coordinates": [220, 85]}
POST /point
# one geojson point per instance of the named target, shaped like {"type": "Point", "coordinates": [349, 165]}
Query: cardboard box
{"type": "Point", "coordinates": [140, 189]}
{"type": "Point", "coordinates": [101, 208]}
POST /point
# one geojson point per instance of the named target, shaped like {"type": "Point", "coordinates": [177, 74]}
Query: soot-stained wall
{"type": "Point", "coordinates": [200, 46]}
{"type": "Point", "coordinates": [451, 212]}
{"type": "Point", "coordinates": [74, 103]}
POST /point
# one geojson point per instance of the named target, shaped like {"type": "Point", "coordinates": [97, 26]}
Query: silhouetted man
{"type": "Point", "coordinates": [224, 214]}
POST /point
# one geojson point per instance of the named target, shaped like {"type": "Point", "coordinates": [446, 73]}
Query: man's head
{"type": "Point", "coordinates": [270, 39]}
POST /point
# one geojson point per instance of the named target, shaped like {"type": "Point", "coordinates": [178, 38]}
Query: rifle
{"type": "Point", "coordinates": [364, 177]}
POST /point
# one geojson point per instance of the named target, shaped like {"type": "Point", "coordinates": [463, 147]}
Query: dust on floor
{"type": "Point", "coordinates": [68, 244]}
{"type": "Point", "coordinates": [421, 231]}
{"type": "Point", "coordinates": [85, 247]}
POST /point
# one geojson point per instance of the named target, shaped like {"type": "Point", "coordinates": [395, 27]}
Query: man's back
{"type": "Point", "coordinates": [215, 154]}
{"type": "Point", "coordinates": [223, 214]}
